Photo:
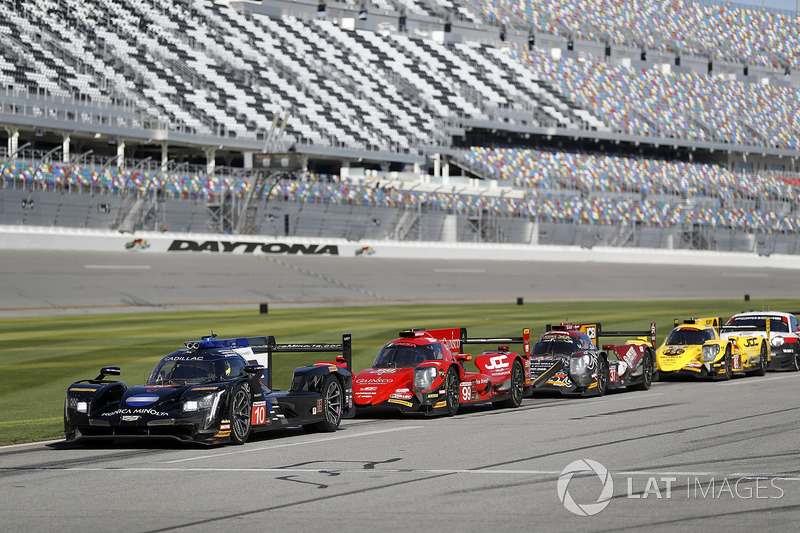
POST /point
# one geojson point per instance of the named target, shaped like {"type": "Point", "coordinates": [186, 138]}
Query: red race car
{"type": "Point", "coordinates": [424, 371]}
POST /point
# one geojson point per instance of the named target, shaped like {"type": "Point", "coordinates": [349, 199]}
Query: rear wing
{"type": "Point", "coordinates": [260, 349]}
{"type": "Point", "coordinates": [525, 340]}
{"type": "Point", "coordinates": [713, 321]}
{"type": "Point", "coordinates": [344, 349]}
{"type": "Point", "coordinates": [727, 329]}
{"type": "Point", "coordinates": [594, 331]}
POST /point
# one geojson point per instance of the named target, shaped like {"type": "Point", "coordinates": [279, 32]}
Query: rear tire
{"type": "Point", "coordinates": [647, 372]}
{"type": "Point", "coordinates": [517, 388]}
{"type": "Point", "coordinates": [239, 413]}
{"type": "Point", "coordinates": [332, 403]}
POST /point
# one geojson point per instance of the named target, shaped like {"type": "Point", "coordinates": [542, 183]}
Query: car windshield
{"type": "Point", "coordinates": [558, 344]}
{"type": "Point", "coordinates": [686, 336]}
{"type": "Point", "coordinates": [182, 371]}
{"type": "Point", "coordinates": [759, 323]}
{"type": "Point", "coordinates": [406, 355]}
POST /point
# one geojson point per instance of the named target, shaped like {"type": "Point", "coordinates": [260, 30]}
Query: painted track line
{"type": "Point", "coordinates": [289, 444]}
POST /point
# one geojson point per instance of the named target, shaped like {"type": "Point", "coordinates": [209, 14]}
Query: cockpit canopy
{"type": "Point", "coordinates": [184, 369]}
{"type": "Point", "coordinates": [562, 343]}
{"type": "Point", "coordinates": [407, 354]}
{"type": "Point", "coordinates": [689, 336]}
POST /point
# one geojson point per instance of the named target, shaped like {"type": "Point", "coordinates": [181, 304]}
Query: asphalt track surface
{"type": "Point", "coordinates": [42, 282]}
{"type": "Point", "coordinates": [683, 456]}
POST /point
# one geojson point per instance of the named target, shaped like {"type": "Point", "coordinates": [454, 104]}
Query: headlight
{"type": "Point", "coordinates": [777, 341]}
{"type": "Point", "coordinates": [199, 402]}
{"type": "Point", "coordinates": [578, 365]}
{"type": "Point", "coordinates": [76, 404]}
{"type": "Point", "coordinates": [423, 378]}
{"type": "Point", "coordinates": [710, 352]}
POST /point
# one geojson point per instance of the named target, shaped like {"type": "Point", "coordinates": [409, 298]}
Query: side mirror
{"type": "Point", "coordinates": [341, 359]}
{"type": "Point", "coordinates": [110, 371]}
{"type": "Point", "coordinates": [254, 369]}
{"type": "Point", "coordinates": [463, 357]}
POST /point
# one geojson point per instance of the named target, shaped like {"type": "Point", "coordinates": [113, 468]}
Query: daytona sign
{"type": "Point", "coordinates": [253, 247]}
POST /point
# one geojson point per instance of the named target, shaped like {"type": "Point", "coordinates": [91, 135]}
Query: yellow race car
{"type": "Point", "coordinates": [696, 348]}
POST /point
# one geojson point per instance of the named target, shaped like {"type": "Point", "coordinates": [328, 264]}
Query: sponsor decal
{"type": "Point", "coordinates": [130, 418]}
{"type": "Point", "coordinates": [613, 375]}
{"type": "Point", "coordinates": [140, 411]}
{"type": "Point", "coordinates": [225, 426]}
{"type": "Point", "coordinates": [630, 357]}
{"type": "Point", "coordinates": [364, 389]}
{"type": "Point", "coordinates": [366, 251]}
{"type": "Point", "coordinates": [377, 381]}
{"type": "Point", "coordinates": [137, 244]}
{"type": "Point", "coordinates": [499, 362]}
{"type": "Point", "coordinates": [674, 350]}
{"type": "Point", "coordinates": [142, 399]}
{"type": "Point", "coordinates": [440, 404]}
{"type": "Point", "coordinates": [401, 402]}
{"type": "Point", "coordinates": [380, 371]}
{"type": "Point", "coordinates": [82, 389]}
{"type": "Point", "coordinates": [275, 248]}
{"type": "Point", "coordinates": [202, 388]}
{"type": "Point", "coordinates": [184, 358]}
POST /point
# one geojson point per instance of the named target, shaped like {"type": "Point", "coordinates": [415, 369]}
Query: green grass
{"type": "Point", "coordinates": [41, 357]}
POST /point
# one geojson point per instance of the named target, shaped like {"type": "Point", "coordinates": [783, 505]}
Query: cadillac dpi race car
{"type": "Point", "coordinates": [214, 391]}
{"type": "Point", "coordinates": [565, 358]}
{"type": "Point", "coordinates": [781, 330]}
{"type": "Point", "coordinates": [424, 371]}
{"type": "Point", "coordinates": [696, 348]}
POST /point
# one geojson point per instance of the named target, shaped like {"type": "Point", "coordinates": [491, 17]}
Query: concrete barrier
{"type": "Point", "coordinates": [45, 238]}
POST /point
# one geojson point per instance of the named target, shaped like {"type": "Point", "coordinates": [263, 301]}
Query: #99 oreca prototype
{"type": "Point", "coordinates": [425, 371]}
{"type": "Point", "coordinates": [214, 391]}
{"type": "Point", "coordinates": [566, 358]}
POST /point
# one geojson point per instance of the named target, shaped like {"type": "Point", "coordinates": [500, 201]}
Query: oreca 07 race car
{"type": "Point", "coordinates": [781, 330]}
{"type": "Point", "coordinates": [566, 358]}
{"type": "Point", "coordinates": [214, 391]}
{"type": "Point", "coordinates": [696, 348]}
{"type": "Point", "coordinates": [425, 371]}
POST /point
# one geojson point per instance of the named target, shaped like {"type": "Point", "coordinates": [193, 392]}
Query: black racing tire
{"type": "Point", "coordinates": [728, 374]}
{"type": "Point", "coordinates": [239, 410]}
{"type": "Point", "coordinates": [761, 370]}
{"type": "Point", "coordinates": [453, 388]}
{"type": "Point", "coordinates": [647, 372]}
{"type": "Point", "coordinates": [795, 363]}
{"type": "Point", "coordinates": [602, 376]}
{"type": "Point", "coordinates": [332, 395]}
{"type": "Point", "coordinates": [517, 387]}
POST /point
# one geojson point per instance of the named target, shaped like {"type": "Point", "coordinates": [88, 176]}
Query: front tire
{"type": "Point", "coordinates": [332, 403]}
{"type": "Point", "coordinates": [452, 382]}
{"type": "Point", "coordinates": [647, 373]}
{"type": "Point", "coordinates": [239, 413]}
{"type": "Point", "coordinates": [602, 376]}
{"type": "Point", "coordinates": [517, 387]}
{"type": "Point", "coordinates": [761, 370]}
{"type": "Point", "coordinates": [728, 369]}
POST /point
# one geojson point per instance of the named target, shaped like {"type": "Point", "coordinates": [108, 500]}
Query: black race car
{"type": "Point", "coordinates": [214, 391]}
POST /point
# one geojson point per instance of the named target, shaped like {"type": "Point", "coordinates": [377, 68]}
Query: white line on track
{"type": "Point", "coordinates": [757, 381]}
{"type": "Point", "coordinates": [459, 270]}
{"type": "Point", "coordinates": [117, 267]}
{"type": "Point", "coordinates": [288, 444]}
{"type": "Point", "coordinates": [436, 471]}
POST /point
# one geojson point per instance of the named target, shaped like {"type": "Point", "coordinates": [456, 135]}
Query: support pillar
{"type": "Point", "coordinates": [65, 149]}
{"type": "Point", "coordinates": [211, 160]}
{"type": "Point", "coordinates": [164, 157]}
{"type": "Point", "coordinates": [121, 154]}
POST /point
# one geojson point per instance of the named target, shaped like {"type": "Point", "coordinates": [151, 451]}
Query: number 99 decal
{"type": "Point", "coordinates": [466, 392]}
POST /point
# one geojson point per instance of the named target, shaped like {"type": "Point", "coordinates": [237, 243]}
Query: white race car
{"type": "Point", "coordinates": [782, 329]}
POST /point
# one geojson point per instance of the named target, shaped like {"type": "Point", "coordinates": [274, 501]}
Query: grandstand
{"type": "Point", "coordinates": [585, 123]}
